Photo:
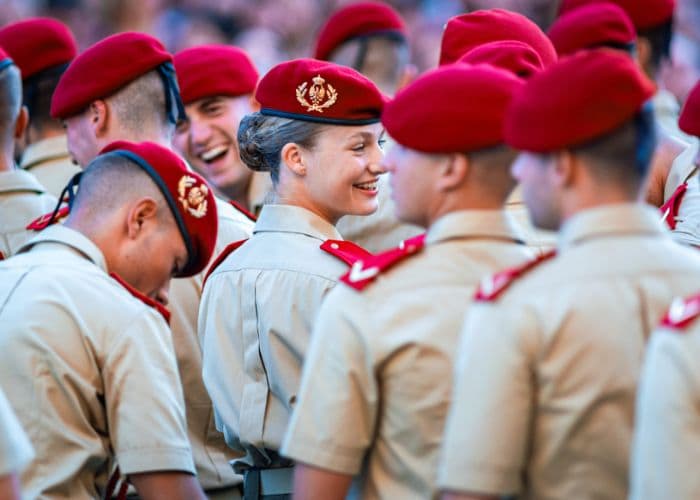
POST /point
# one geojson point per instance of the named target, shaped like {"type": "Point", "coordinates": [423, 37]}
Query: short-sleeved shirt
{"type": "Point", "coordinates": [89, 369]}
{"type": "Point", "coordinates": [15, 449]}
{"type": "Point", "coordinates": [666, 447]}
{"type": "Point", "coordinates": [547, 372]}
{"type": "Point", "coordinates": [49, 161]}
{"type": "Point", "coordinates": [255, 321]}
{"type": "Point", "coordinates": [378, 378]}
{"type": "Point", "coordinates": [22, 199]}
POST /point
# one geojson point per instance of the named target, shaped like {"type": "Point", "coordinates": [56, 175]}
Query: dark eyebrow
{"type": "Point", "coordinates": [209, 100]}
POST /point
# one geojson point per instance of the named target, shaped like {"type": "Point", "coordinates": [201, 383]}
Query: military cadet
{"type": "Point", "coordinates": [86, 357]}
{"type": "Point", "coordinates": [136, 95]}
{"type": "Point", "coordinates": [42, 49]}
{"type": "Point", "coordinates": [379, 368]}
{"type": "Point", "coordinates": [217, 84]}
{"type": "Point", "coordinates": [318, 136]}
{"type": "Point", "coordinates": [551, 351]}
{"type": "Point", "coordinates": [22, 197]}
{"type": "Point", "coordinates": [15, 451]}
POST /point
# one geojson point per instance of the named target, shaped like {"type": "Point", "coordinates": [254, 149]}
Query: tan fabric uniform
{"type": "Point", "coordinates": [667, 437]}
{"type": "Point", "coordinates": [15, 449]}
{"type": "Point", "coordinates": [50, 162]}
{"type": "Point", "coordinates": [684, 169]}
{"type": "Point", "coordinates": [539, 240]}
{"type": "Point", "coordinates": [257, 312]}
{"type": "Point", "coordinates": [378, 377]}
{"type": "Point", "coordinates": [547, 373]}
{"type": "Point", "coordinates": [22, 199]}
{"type": "Point", "coordinates": [89, 369]}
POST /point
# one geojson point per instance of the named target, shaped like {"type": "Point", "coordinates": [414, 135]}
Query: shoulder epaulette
{"type": "Point", "coordinates": [46, 220]}
{"type": "Point", "coordinates": [347, 251]}
{"type": "Point", "coordinates": [363, 272]}
{"type": "Point", "coordinates": [682, 312]}
{"type": "Point", "coordinates": [230, 248]}
{"type": "Point", "coordinates": [669, 210]}
{"type": "Point", "coordinates": [243, 210]}
{"type": "Point", "coordinates": [493, 286]}
{"type": "Point", "coordinates": [143, 298]}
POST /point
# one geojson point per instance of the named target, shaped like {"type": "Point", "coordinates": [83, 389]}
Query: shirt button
{"type": "Point", "coordinates": [335, 246]}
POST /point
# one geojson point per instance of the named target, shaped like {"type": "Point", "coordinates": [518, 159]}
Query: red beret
{"type": "Point", "coordinates": [188, 195]}
{"type": "Point", "coordinates": [319, 91]}
{"type": "Point", "coordinates": [590, 26]}
{"type": "Point", "coordinates": [644, 13]}
{"type": "Point", "coordinates": [467, 31]}
{"type": "Point", "coordinates": [689, 121]}
{"type": "Point", "coordinates": [517, 57]}
{"type": "Point", "coordinates": [452, 109]}
{"type": "Point", "coordinates": [357, 20]}
{"type": "Point", "coordinates": [212, 70]}
{"type": "Point", "coordinates": [104, 68]}
{"type": "Point", "coordinates": [38, 44]}
{"type": "Point", "coordinates": [576, 100]}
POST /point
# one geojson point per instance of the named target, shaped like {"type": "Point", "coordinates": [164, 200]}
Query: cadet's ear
{"type": "Point", "coordinates": [99, 117]}
{"type": "Point", "coordinates": [643, 53]}
{"type": "Point", "coordinates": [565, 169]}
{"type": "Point", "coordinates": [142, 212]}
{"type": "Point", "coordinates": [21, 123]}
{"type": "Point", "coordinates": [293, 158]}
{"type": "Point", "coordinates": [453, 171]}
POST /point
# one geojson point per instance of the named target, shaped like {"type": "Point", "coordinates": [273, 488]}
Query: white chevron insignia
{"type": "Point", "coordinates": [357, 273]}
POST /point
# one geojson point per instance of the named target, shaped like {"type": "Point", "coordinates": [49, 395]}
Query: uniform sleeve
{"type": "Point", "coordinates": [666, 447]}
{"type": "Point", "coordinates": [15, 449]}
{"type": "Point", "coordinates": [144, 399]}
{"type": "Point", "coordinates": [488, 425]}
{"type": "Point", "coordinates": [333, 422]}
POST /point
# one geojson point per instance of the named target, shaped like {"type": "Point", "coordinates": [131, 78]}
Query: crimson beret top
{"type": "Point", "coordinates": [38, 44]}
{"type": "Point", "coordinates": [357, 20]}
{"type": "Point", "coordinates": [576, 100]}
{"type": "Point", "coordinates": [517, 57]}
{"type": "Point", "coordinates": [188, 195]}
{"type": "Point", "coordinates": [319, 91]}
{"type": "Point", "coordinates": [105, 68]}
{"type": "Point", "coordinates": [467, 31]}
{"type": "Point", "coordinates": [452, 109]}
{"type": "Point", "coordinates": [590, 26]}
{"type": "Point", "coordinates": [644, 13]}
{"type": "Point", "coordinates": [213, 70]}
{"type": "Point", "coordinates": [689, 121]}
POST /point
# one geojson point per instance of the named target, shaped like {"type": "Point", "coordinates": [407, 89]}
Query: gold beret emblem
{"type": "Point", "coordinates": [193, 196]}
{"type": "Point", "coordinates": [322, 95]}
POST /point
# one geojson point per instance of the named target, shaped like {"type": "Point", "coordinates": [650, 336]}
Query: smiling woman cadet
{"type": "Point", "coordinates": [319, 136]}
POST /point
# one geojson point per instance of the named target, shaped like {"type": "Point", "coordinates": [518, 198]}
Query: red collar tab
{"type": "Point", "coordinates": [364, 272]}
{"type": "Point", "coordinates": [2, 256]}
{"type": "Point", "coordinates": [669, 210]}
{"type": "Point", "coordinates": [347, 251]}
{"type": "Point", "coordinates": [230, 248]}
{"type": "Point", "coordinates": [682, 313]}
{"type": "Point", "coordinates": [45, 220]}
{"type": "Point", "coordinates": [493, 286]}
{"type": "Point", "coordinates": [143, 298]}
{"type": "Point", "coordinates": [243, 210]}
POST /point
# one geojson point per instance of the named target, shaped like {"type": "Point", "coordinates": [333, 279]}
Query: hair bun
{"type": "Point", "coordinates": [249, 143]}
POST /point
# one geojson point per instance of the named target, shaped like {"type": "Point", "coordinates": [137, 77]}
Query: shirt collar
{"type": "Point", "coordinates": [293, 219]}
{"type": "Point", "coordinates": [610, 220]}
{"type": "Point", "coordinates": [45, 150]}
{"type": "Point", "coordinates": [19, 180]}
{"type": "Point", "coordinates": [488, 224]}
{"type": "Point", "coordinates": [71, 238]}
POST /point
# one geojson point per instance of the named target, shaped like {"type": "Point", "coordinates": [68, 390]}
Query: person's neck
{"type": "Point", "coordinates": [35, 134]}
{"type": "Point", "coordinates": [7, 160]}
{"type": "Point", "coordinates": [238, 195]}
{"type": "Point", "coordinates": [459, 202]}
{"type": "Point", "coordinates": [573, 204]}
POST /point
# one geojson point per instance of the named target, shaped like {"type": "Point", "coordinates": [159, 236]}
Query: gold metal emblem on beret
{"type": "Point", "coordinates": [322, 95]}
{"type": "Point", "coordinates": [193, 196]}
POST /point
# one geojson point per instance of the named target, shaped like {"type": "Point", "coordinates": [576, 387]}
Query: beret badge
{"type": "Point", "coordinates": [322, 96]}
{"type": "Point", "coordinates": [193, 196]}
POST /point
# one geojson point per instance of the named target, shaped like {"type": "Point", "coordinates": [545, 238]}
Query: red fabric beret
{"type": "Point", "coordinates": [644, 13]}
{"type": "Point", "coordinates": [467, 31]}
{"type": "Point", "coordinates": [591, 26]}
{"type": "Point", "coordinates": [188, 195]}
{"type": "Point", "coordinates": [104, 68]}
{"type": "Point", "coordinates": [356, 20]}
{"type": "Point", "coordinates": [319, 91]}
{"type": "Point", "coordinates": [212, 70]}
{"type": "Point", "coordinates": [455, 108]}
{"type": "Point", "coordinates": [689, 121]}
{"type": "Point", "coordinates": [517, 57]}
{"type": "Point", "coordinates": [576, 100]}
{"type": "Point", "coordinates": [38, 44]}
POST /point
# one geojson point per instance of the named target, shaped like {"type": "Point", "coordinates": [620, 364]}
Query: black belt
{"type": "Point", "coordinates": [268, 484]}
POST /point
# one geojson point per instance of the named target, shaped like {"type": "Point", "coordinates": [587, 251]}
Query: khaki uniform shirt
{"type": "Point", "coordinates": [378, 377]}
{"type": "Point", "coordinates": [89, 369]}
{"type": "Point", "coordinates": [22, 199]}
{"type": "Point", "coordinates": [685, 170]}
{"type": "Point", "coordinates": [15, 449]}
{"type": "Point", "coordinates": [667, 436]}
{"type": "Point", "coordinates": [50, 162]}
{"type": "Point", "coordinates": [255, 320]}
{"type": "Point", "coordinates": [547, 372]}
{"type": "Point", "coordinates": [211, 454]}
